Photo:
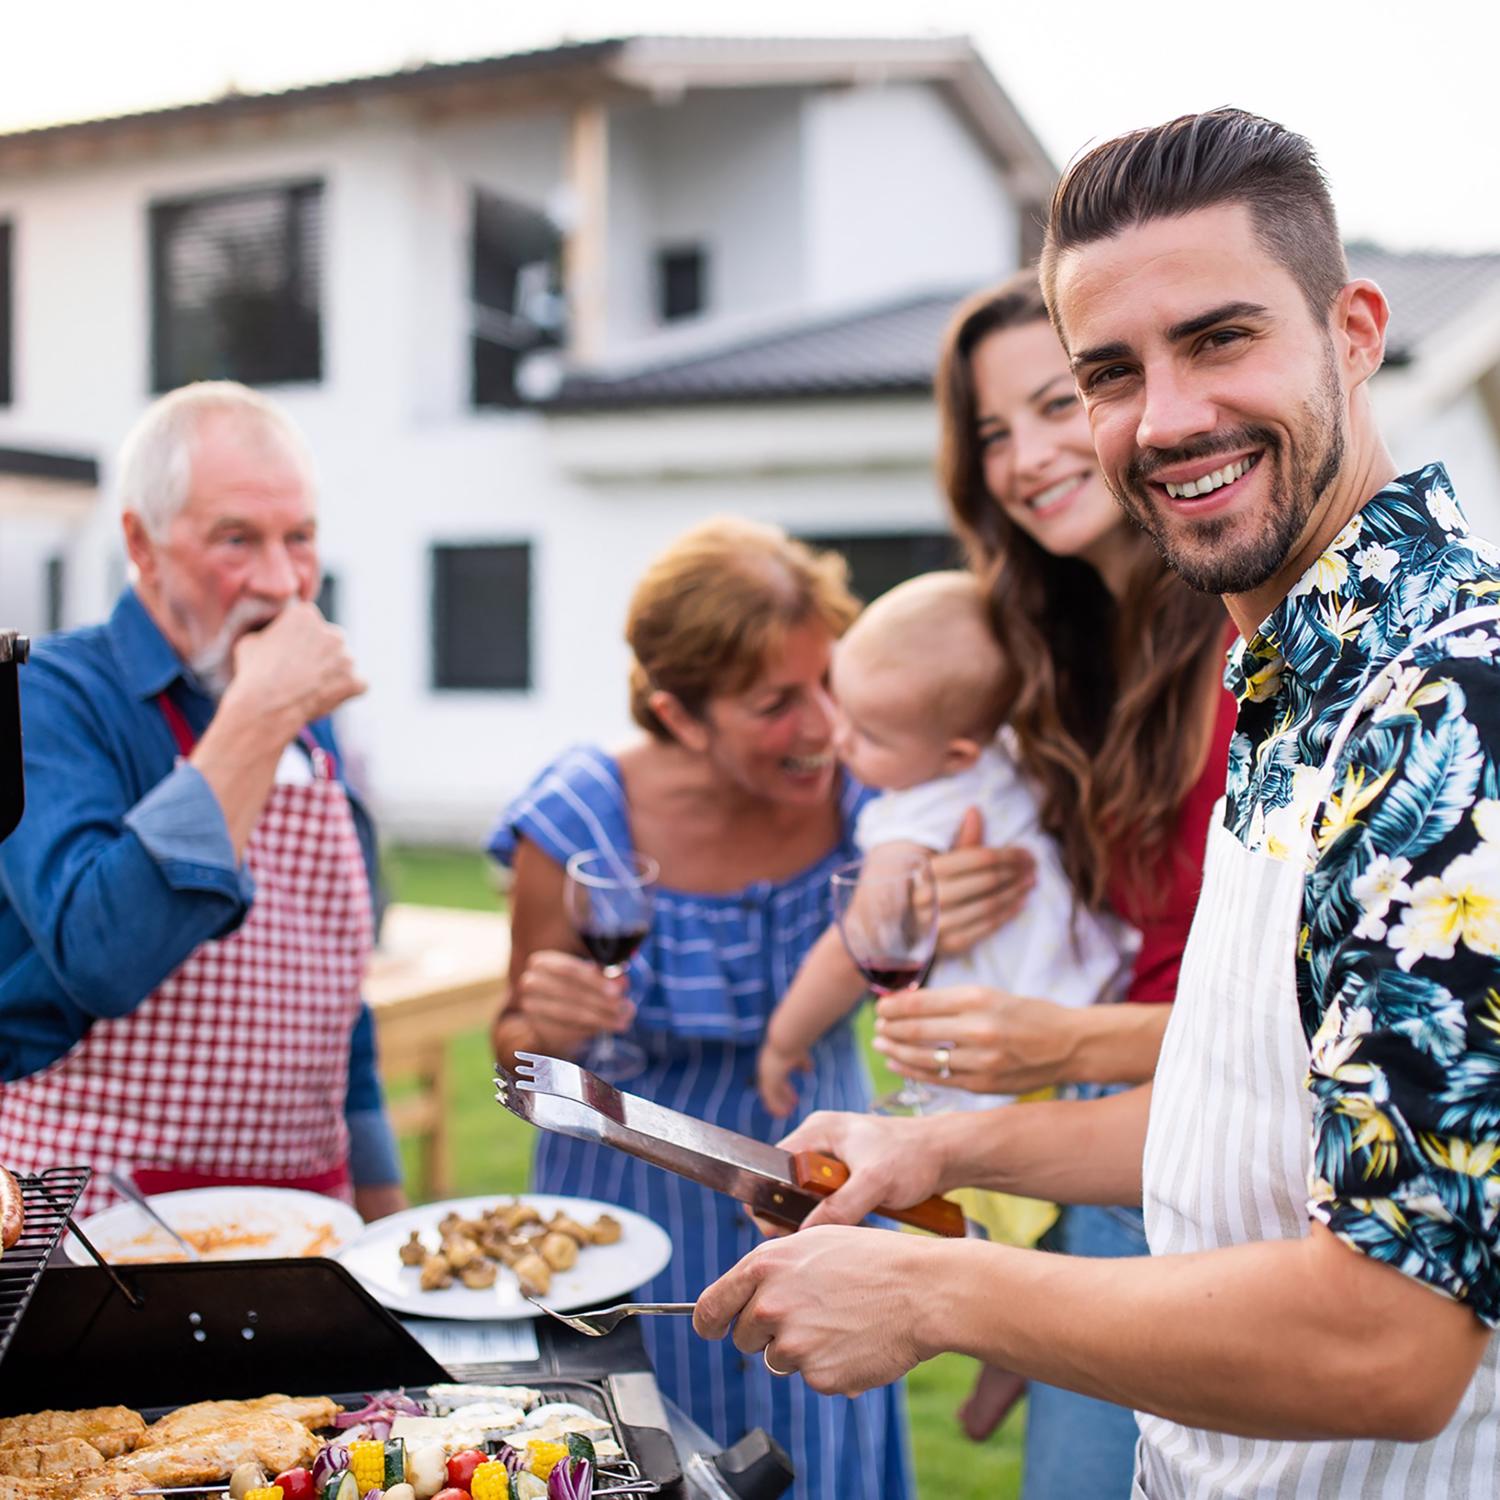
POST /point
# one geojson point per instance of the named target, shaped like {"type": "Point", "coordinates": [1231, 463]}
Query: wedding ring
{"type": "Point", "coordinates": [942, 1057]}
{"type": "Point", "coordinates": [765, 1354]}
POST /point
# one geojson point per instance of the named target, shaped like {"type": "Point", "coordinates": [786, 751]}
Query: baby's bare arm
{"type": "Point", "coordinates": [827, 987]}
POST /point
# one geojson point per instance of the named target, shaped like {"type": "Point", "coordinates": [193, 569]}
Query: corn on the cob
{"type": "Point", "coordinates": [264, 1492]}
{"type": "Point", "coordinates": [490, 1481]}
{"type": "Point", "coordinates": [543, 1457]}
{"type": "Point", "coordinates": [367, 1464]}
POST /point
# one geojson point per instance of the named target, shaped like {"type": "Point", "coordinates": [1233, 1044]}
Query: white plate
{"type": "Point", "coordinates": [603, 1273]}
{"type": "Point", "coordinates": [237, 1223]}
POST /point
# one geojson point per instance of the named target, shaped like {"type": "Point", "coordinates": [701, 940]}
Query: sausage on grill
{"type": "Point", "coordinates": [12, 1210]}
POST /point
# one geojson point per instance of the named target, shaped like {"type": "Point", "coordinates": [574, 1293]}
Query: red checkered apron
{"type": "Point", "coordinates": [234, 1070]}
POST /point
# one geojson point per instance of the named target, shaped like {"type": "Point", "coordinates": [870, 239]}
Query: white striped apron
{"type": "Point", "coordinates": [1228, 1154]}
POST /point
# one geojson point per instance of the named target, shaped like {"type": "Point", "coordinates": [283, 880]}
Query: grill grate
{"type": "Point", "coordinates": [48, 1198]}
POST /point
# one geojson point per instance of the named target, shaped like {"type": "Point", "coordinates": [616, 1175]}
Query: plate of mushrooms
{"type": "Point", "coordinates": [479, 1257]}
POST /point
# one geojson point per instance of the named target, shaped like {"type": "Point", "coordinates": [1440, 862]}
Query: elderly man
{"type": "Point", "coordinates": [185, 911]}
{"type": "Point", "coordinates": [1319, 1156]}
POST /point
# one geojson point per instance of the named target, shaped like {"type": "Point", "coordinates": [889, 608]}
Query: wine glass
{"type": "Point", "coordinates": [608, 898]}
{"type": "Point", "coordinates": [886, 907]}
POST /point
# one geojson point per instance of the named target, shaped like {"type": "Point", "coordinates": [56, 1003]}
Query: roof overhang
{"type": "Point", "coordinates": [660, 68]}
{"type": "Point", "coordinates": [58, 486]}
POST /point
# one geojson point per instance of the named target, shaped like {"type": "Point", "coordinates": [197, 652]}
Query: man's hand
{"type": "Point", "coordinates": [841, 1307]}
{"type": "Point", "coordinates": [297, 669]}
{"type": "Point", "coordinates": [979, 889]}
{"type": "Point", "coordinates": [891, 1162]}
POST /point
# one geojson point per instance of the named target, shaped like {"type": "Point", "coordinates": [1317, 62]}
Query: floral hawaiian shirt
{"type": "Point", "coordinates": [1398, 966]}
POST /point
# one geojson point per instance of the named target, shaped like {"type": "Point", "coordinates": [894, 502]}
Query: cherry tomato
{"type": "Point", "coordinates": [296, 1484]}
{"type": "Point", "coordinates": [451, 1494]}
{"type": "Point", "coordinates": [461, 1467]}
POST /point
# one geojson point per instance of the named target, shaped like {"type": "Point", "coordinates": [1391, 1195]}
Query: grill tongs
{"type": "Point", "coordinates": [779, 1185]}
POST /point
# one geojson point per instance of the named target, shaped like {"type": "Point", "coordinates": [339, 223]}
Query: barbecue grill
{"type": "Point", "coordinates": [155, 1337]}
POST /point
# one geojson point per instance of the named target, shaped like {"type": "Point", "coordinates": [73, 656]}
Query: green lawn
{"type": "Point", "coordinates": [492, 1151]}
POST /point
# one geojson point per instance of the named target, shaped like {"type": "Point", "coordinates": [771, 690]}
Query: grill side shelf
{"type": "Point", "coordinates": [49, 1198]}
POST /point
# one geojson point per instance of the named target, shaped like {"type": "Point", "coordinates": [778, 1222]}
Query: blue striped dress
{"type": "Point", "coordinates": [704, 983]}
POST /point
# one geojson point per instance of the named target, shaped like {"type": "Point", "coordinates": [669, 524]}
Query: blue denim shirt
{"type": "Point", "coordinates": [122, 865]}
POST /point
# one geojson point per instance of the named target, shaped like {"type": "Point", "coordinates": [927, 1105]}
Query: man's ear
{"type": "Point", "coordinates": [687, 729]}
{"type": "Point", "coordinates": [1359, 318]}
{"type": "Point", "coordinates": [139, 547]}
{"type": "Point", "coordinates": [960, 755]}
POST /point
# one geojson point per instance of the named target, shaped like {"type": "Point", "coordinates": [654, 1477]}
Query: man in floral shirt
{"type": "Point", "coordinates": [1398, 971]}
{"type": "Point", "coordinates": [1320, 1169]}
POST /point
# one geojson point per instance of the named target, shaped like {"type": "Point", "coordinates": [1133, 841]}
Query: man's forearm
{"type": "Point", "coordinates": [1118, 1043]}
{"type": "Point", "coordinates": [237, 757]}
{"type": "Point", "coordinates": [1291, 1339]}
{"type": "Point", "coordinates": [1067, 1151]}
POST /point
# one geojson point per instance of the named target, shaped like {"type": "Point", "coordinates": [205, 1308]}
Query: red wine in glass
{"type": "Point", "coordinates": [612, 951]}
{"type": "Point", "coordinates": [609, 899]}
{"type": "Point", "coordinates": [886, 908]}
{"type": "Point", "coordinates": [887, 975]}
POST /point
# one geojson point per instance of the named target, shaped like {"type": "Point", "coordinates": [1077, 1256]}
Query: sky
{"type": "Point", "coordinates": [1402, 100]}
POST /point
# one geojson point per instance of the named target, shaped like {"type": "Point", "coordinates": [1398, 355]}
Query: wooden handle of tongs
{"type": "Point", "coordinates": [817, 1173]}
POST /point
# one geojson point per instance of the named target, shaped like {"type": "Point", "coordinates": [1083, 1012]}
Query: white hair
{"type": "Point", "coordinates": [154, 470]}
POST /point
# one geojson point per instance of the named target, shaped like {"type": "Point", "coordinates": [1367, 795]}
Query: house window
{"type": "Point", "coordinates": [681, 282]}
{"type": "Point", "coordinates": [481, 616]}
{"type": "Point", "coordinates": [5, 313]}
{"type": "Point", "coordinates": [235, 287]}
{"type": "Point", "coordinates": [328, 598]}
{"type": "Point", "coordinates": [878, 563]}
{"type": "Point", "coordinates": [55, 582]}
{"type": "Point", "coordinates": [516, 285]}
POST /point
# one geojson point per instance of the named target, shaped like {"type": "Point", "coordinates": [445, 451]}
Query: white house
{"type": "Point", "coordinates": [540, 313]}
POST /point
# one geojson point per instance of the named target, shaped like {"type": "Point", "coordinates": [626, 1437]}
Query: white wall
{"type": "Point", "coordinates": [898, 194]}
{"type": "Point", "coordinates": [1462, 437]}
{"type": "Point", "coordinates": [724, 170]}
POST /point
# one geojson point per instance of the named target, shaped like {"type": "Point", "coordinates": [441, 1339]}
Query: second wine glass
{"type": "Point", "coordinates": [609, 898]}
{"type": "Point", "coordinates": [886, 906]}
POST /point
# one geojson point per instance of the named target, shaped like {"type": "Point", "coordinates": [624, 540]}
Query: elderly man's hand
{"type": "Point", "coordinates": [891, 1162]}
{"type": "Point", "coordinates": [841, 1307]}
{"type": "Point", "coordinates": [297, 669]}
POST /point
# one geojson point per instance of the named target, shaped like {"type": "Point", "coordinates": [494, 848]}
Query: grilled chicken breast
{"type": "Point", "coordinates": [111, 1429]}
{"type": "Point", "coordinates": [44, 1460]}
{"type": "Point", "coordinates": [310, 1411]}
{"type": "Point", "coordinates": [209, 1454]}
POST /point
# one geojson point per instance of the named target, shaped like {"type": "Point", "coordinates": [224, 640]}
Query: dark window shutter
{"type": "Point", "coordinates": [681, 282]}
{"type": "Point", "coordinates": [481, 616]}
{"type": "Point", "coordinates": [235, 287]}
{"type": "Point", "coordinates": [328, 598]}
{"type": "Point", "coordinates": [515, 275]}
{"type": "Point", "coordinates": [55, 579]}
{"type": "Point", "coordinates": [878, 563]}
{"type": "Point", "coordinates": [6, 320]}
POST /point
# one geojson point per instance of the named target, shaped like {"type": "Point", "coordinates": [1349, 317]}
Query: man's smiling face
{"type": "Point", "coordinates": [1214, 395]}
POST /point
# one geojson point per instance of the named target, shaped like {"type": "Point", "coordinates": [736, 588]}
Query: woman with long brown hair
{"type": "Point", "coordinates": [1121, 720]}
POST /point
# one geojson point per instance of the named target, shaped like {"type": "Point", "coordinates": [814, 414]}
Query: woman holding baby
{"type": "Point", "coordinates": [732, 787]}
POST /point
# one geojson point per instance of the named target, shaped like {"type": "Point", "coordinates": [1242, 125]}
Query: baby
{"type": "Point", "coordinates": [916, 680]}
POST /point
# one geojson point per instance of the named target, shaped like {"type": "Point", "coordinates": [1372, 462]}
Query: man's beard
{"type": "Point", "coordinates": [213, 664]}
{"type": "Point", "coordinates": [1206, 554]}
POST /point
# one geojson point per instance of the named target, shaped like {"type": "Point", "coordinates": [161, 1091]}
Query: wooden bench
{"type": "Point", "coordinates": [439, 972]}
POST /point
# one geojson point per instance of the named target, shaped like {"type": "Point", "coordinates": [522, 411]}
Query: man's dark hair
{"type": "Point", "coordinates": [1202, 161]}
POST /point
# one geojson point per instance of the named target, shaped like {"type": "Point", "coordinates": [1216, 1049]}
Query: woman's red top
{"type": "Point", "coordinates": [1164, 927]}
